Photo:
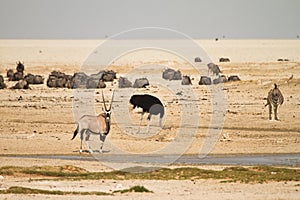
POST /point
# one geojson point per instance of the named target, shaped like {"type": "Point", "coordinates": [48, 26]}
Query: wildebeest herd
{"type": "Point", "coordinates": [80, 80]}
{"type": "Point", "coordinates": [57, 79]}
{"type": "Point", "coordinates": [217, 78]}
{"type": "Point", "coordinates": [18, 75]}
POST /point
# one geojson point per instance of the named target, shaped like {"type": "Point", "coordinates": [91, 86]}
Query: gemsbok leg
{"type": "Point", "coordinates": [102, 139]}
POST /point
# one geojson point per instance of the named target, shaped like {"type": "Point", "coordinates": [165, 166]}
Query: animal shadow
{"type": "Point", "coordinates": [94, 151]}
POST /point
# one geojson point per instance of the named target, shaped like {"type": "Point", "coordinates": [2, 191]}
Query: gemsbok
{"type": "Point", "coordinates": [99, 125]}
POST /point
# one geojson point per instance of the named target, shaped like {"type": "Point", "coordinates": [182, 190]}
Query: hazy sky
{"type": "Point", "coordinates": [95, 19]}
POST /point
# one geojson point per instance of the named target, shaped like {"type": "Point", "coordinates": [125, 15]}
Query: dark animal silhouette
{"type": "Point", "coordinates": [141, 83]}
{"type": "Point", "coordinates": [58, 79]}
{"type": "Point", "coordinates": [79, 80]}
{"type": "Point", "coordinates": [283, 60]}
{"type": "Point", "coordinates": [171, 74]}
{"type": "Point", "coordinates": [149, 104]}
{"type": "Point", "coordinates": [109, 76]}
{"type": "Point", "coordinates": [10, 74]}
{"type": "Point", "coordinates": [186, 80]}
{"type": "Point", "coordinates": [92, 83]}
{"type": "Point", "coordinates": [205, 80]}
{"type": "Point", "coordinates": [124, 83]}
{"type": "Point", "coordinates": [220, 79]}
{"type": "Point", "coordinates": [20, 67]}
{"type": "Point", "coordinates": [56, 82]}
{"type": "Point", "coordinates": [224, 60]}
{"type": "Point", "coordinates": [198, 59]}
{"type": "Point", "coordinates": [21, 84]}
{"type": "Point", "coordinates": [18, 76]}
{"type": "Point", "coordinates": [95, 83]}
{"type": "Point", "coordinates": [101, 84]}
{"type": "Point", "coordinates": [233, 78]}
{"type": "Point", "coordinates": [2, 84]}
{"type": "Point", "coordinates": [34, 79]}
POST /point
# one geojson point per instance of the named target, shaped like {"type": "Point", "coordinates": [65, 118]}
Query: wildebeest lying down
{"type": "Point", "coordinates": [198, 59]}
{"type": "Point", "coordinates": [149, 104]}
{"type": "Point", "coordinates": [99, 125]}
{"type": "Point", "coordinates": [21, 84]}
{"type": "Point", "coordinates": [34, 79]}
{"type": "Point", "coordinates": [186, 80]}
{"type": "Point", "coordinates": [205, 80]}
{"type": "Point", "coordinates": [141, 83]}
{"type": "Point", "coordinates": [171, 74]}
{"type": "Point", "coordinates": [124, 83]}
{"type": "Point", "coordinates": [18, 75]}
{"type": "Point", "coordinates": [2, 84]}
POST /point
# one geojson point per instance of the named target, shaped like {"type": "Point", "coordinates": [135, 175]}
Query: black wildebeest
{"type": "Point", "coordinates": [56, 82]}
{"type": "Point", "coordinates": [233, 78]}
{"type": "Point", "coordinates": [124, 83]}
{"type": "Point", "coordinates": [141, 83]}
{"type": "Point", "coordinates": [205, 80]}
{"type": "Point", "coordinates": [220, 79]}
{"type": "Point", "coordinates": [109, 76]}
{"type": "Point", "coordinates": [94, 83]}
{"type": "Point", "coordinates": [2, 84]}
{"type": "Point", "coordinates": [198, 59]}
{"type": "Point", "coordinates": [20, 66]}
{"type": "Point", "coordinates": [21, 84]}
{"type": "Point", "coordinates": [10, 74]}
{"type": "Point", "coordinates": [149, 104]}
{"type": "Point", "coordinates": [34, 79]}
{"type": "Point", "coordinates": [18, 75]}
{"type": "Point", "coordinates": [224, 60]}
{"type": "Point", "coordinates": [171, 74]}
{"type": "Point", "coordinates": [58, 79]}
{"type": "Point", "coordinates": [186, 80]}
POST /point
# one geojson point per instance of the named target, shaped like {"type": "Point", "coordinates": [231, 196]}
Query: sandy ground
{"type": "Point", "coordinates": [207, 189]}
{"type": "Point", "coordinates": [42, 121]}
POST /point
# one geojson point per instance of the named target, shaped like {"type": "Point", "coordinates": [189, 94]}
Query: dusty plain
{"type": "Point", "coordinates": [41, 122]}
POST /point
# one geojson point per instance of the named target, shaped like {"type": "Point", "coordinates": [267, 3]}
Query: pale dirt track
{"type": "Point", "coordinates": [41, 122]}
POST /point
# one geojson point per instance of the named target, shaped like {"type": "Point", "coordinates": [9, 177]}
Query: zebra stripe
{"type": "Point", "coordinates": [275, 98]}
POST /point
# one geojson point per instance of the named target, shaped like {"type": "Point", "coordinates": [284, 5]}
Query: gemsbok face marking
{"type": "Point", "coordinates": [99, 125]}
{"type": "Point", "coordinates": [275, 98]}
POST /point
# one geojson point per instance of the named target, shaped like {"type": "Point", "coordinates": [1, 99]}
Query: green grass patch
{"type": "Point", "coordinates": [137, 188]}
{"type": "Point", "coordinates": [24, 190]}
{"type": "Point", "coordinates": [258, 174]}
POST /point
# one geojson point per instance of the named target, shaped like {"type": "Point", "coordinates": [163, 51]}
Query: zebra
{"type": "Point", "coordinates": [274, 99]}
